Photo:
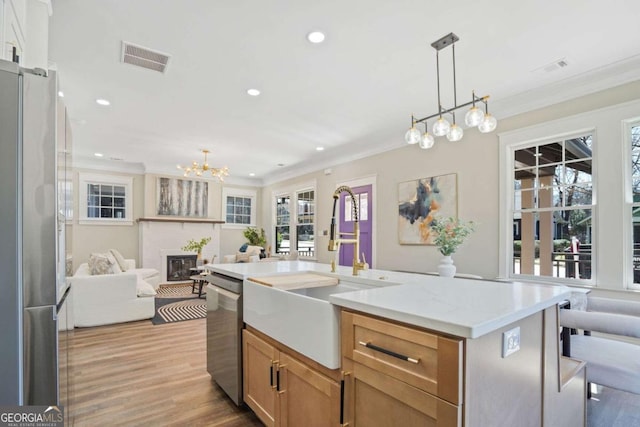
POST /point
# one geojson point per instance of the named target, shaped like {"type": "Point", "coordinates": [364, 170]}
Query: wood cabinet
{"type": "Point", "coordinates": [396, 375]}
{"type": "Point", "coordinates": [285, 391]}
{"type": "Point", "coordinates": [260, 362]}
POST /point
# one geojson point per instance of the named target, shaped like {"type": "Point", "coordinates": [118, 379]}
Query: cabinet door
{"type": "Point", "coordinates": [260, 366]}
{"type": "Point", "coordinates": [306, 398]}
{"type": "Point", "coordinates": [374, 399]}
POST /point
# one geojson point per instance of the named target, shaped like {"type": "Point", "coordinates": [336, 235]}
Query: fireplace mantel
{"type": "Point", "coordinates": [190, 220]}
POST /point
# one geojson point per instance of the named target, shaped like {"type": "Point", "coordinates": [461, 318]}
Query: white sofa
{"type": "Point", "coordinates": [113, 298]}
{"type": "Point", "coordinates": [251, 254]}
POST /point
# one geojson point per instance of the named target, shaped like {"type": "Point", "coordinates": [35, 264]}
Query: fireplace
{"type": "Point", "coordinates": [178, 267]}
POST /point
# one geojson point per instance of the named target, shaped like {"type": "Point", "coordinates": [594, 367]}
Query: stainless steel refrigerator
{"type": "Point", "coordinates": [31, 286]}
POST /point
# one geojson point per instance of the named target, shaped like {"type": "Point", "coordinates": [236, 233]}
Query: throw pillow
{"type": "Point", "coordinates": [243, 248]}
{"type": "Point", "coordinates": [253, 250]}
{"type": "Point", "coordinates": [242, 257]}
{"type": "Point", "coordinates": [101, 263]}
{"type": "Point", "coordinates": [119, 259]}
{"type": "Point", "coordinates": [115, 267]}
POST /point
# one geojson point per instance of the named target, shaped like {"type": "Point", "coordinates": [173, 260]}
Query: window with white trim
{"type": "Point", "coordinates": [305, 236]}
{"type": "Point", "coordinates": [105, 199]}
{"type": "Point", "coordinates": [295, 221]}
{"type": "Point", "coordinates": [283, 221]}
{"type": "Point", "coordinates": [570, 200]}
{"type": "Point", "coordinates": [634, 138]}
{"type": "Point", "coordinates": [239, 207]}
{"type": "Point", "coordinates": [552, 208]}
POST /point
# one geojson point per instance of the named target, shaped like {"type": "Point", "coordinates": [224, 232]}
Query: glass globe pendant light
{"type": "Point", "coordinates": [489, 123]}
{"type": "Point", "coordinates": [455, 132]}
{"type": "Point", "coordinates": [427, 140]}
{"type": "Point", "coordinates": [474, 116]}
{"type": "Point", "coordinates": [413, 135]}
{"type": "Point", "coordinates": [441, 127]}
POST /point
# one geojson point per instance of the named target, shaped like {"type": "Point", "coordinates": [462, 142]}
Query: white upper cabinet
{"type": "Point", "coordinates": [24, 25]}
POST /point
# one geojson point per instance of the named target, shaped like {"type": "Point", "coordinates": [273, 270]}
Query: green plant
{"type": "Point", "coordinates": [196, 245]}
{"type": "Point", "coordinates": [450, 233]}
{"type": "Point", "coordinates": [255, 237]}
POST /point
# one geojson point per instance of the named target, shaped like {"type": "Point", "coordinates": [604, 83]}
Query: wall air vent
{"type": "Point", "coordinates": [144, 57]}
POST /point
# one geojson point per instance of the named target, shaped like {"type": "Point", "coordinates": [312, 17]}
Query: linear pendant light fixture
{"type": "Point", "coordinates": [474, 117]}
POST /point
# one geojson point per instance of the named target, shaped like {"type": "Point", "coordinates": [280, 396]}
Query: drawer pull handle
{"type": "Point", "coordinates": [389, 352]}
{"type": "Point", "coordinates": [342, 397]}
{"type": "Point", "coordinates": [271, 376]}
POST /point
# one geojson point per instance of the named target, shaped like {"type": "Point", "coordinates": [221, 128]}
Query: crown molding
{"type": "Point", "coordinates": [598, 79]}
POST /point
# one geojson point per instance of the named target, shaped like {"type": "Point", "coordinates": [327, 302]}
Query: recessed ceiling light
{"type": "Point", "coordinates": [61, 94]}
{"type": "Point", "coordinates": [315, 37]}
{"type": "Point", "coordinates": [101, 101]}
{"type": "Point", "coordinates": [253, 92]}
{"type": "Point", "coordinates": [319, 148]}
{"type": "Point", "coordinates": [252, 174]}
{"type": "Point", "coordinates": [98, 154]}
{"type": "Point", "coordinates": [280, 164]}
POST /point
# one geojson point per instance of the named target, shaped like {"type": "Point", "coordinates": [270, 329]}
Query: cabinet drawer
{"type": "Point", "coordinates": [378, 400]}
{"type": "Point", "coordinates": [424, 360]}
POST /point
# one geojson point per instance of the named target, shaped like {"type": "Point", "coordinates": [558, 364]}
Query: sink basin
{"type": "Point", "coordinates": [323, 292]}
{"type": "Point", "coordinates": [302, 319]}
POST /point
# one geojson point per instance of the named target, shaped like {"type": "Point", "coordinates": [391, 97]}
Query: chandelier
{"type": "Point", "coordinates": [198, 169]}
{"type": "Point", "coordinates": [441, 127]}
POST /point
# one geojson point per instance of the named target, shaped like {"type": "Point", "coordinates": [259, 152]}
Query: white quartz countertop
{"type": "Point", "coordinates": [461, 307]}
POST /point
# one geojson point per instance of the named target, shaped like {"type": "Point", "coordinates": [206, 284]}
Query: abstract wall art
{"type": "Point", "coordinates": [182, 197]}
{"type": "Point", "coordinates": [419, 201]}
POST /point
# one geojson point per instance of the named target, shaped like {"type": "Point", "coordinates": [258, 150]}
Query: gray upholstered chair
{"type": "Point", "coordinates": [611, 361]}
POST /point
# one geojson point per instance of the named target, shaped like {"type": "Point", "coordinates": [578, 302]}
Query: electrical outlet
{"type": "Point", "coordinates": [510, 341]}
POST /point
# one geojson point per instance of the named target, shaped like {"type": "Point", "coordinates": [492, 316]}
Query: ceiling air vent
{"type": "Point", "coordinates": [554, 66]}
{"type": "Point", "coordinates": [144, 57]}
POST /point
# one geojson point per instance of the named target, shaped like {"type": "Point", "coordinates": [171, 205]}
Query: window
{"type": "Point", "coordinates": [105, 199]}
{"type": "Point", "coordinates": [634, 133]}
{"type": "Point", "coordinates": [283, 236]}
{"type": "Point", "coordinates": [305, 238]}
{"type": "Point", "coordinates": [552, 208]}
{"type": "Point", "coordinates": [295, 230]}
{"type": "Point", "coordinates": [239, 207]}
{"type": "Point", "coordinates": [570, 200]}
{"type": "Point", "coordinates": [238, 210]}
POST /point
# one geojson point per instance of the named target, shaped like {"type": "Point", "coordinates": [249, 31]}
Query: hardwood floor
{"type": "Point", "coordinates": [136, 373]}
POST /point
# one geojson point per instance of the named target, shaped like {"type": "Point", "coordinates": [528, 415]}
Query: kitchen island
{"type": "Point", "coordinates": [429, 351]}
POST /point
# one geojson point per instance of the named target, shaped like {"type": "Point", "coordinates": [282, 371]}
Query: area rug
{"type": "Point", "coordinates": [176, 303]}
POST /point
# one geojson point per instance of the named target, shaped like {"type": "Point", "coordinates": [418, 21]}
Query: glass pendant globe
{"type": "Point", "coordinates": [474, 117]}
{"type": "Point", "coordinates": [455, 133]}
{"type": "Point", "coordinates": [441, 127]}
{"type": "Point", "coordinates": [488, 124]}
{"type": "Point", "coordinates": [413, 136]}
{"type": "Point", "coordinates": [427, 141]}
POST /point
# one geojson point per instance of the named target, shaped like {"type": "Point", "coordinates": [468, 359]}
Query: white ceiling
{"type": "Point", "coordinates": [352, 94]}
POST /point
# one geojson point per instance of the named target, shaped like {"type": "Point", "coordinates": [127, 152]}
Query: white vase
{"type": "Point", "coordinates": [446, 267]}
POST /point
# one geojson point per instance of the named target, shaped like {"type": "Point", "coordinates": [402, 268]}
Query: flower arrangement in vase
{"type": "Point", "coordinates": [450, 233]}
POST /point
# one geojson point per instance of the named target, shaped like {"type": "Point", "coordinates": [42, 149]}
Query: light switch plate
{"type": "Point", "coordinates": [510, 341]}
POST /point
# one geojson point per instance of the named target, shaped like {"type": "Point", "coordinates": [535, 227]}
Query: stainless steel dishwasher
{"type": "Point", "coordinates": [224, 333]}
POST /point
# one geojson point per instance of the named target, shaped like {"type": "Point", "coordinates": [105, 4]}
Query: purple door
{"type": "Point", "coordinates": [365, 210]}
